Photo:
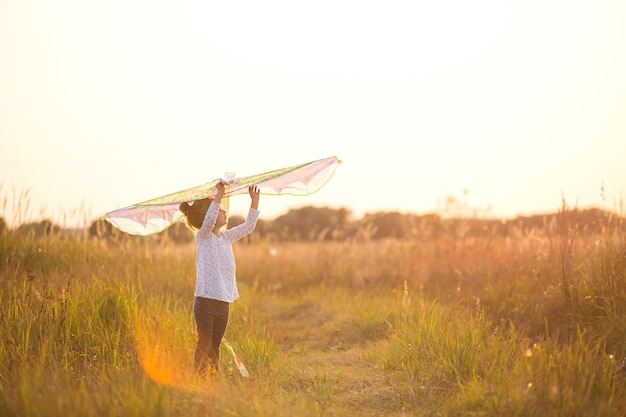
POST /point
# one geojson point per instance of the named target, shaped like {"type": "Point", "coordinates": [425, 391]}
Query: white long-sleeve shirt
{"type": "Point", "coordinates": [215, 261]}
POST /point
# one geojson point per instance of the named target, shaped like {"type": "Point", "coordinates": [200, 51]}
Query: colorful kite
{"type": "Point", "coordinates": [156, 215]}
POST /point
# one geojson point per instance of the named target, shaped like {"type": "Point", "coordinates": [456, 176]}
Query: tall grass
{"type": "Point", "coordinates": [454, 325]}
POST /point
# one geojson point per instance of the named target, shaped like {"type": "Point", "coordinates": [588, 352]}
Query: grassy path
{"type": "Point", "coordinates": [331, 356]}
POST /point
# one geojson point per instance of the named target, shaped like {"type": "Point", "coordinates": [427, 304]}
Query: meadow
{"type": "Point", "coordinates": [527, 323]}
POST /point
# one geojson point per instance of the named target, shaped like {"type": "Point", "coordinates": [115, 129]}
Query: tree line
{"type": "Point", "coordinates": [322, 223]}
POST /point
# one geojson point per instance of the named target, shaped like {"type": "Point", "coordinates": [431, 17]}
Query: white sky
{"type": "Point", "coordinates": [107, 103]}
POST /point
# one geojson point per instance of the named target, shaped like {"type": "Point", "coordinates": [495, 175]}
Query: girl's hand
{"type": "Point", "coordinates": [254, 195]}
{"type": "Point", "coordinates": [220, 188]}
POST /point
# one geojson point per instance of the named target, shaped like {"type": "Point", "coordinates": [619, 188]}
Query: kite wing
{"type": "Point", "coordinates": [156, 215]}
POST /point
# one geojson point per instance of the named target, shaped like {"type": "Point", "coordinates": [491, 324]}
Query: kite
{"type": "Point", "coordinates": [155, 215]}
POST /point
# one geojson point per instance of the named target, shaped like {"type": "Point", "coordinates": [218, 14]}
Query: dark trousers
{"type": "Point", "coordinates": [211, 321]}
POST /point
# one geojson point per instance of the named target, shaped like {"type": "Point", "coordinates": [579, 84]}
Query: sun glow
{"type": "Point", "coordinates": [508, 100]}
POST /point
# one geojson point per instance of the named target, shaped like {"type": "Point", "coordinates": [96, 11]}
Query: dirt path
{"type": "Point", "coordinates": [331, 362]}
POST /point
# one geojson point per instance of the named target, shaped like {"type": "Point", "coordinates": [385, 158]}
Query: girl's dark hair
{"type": "Point", "coordinates": [194, 213]}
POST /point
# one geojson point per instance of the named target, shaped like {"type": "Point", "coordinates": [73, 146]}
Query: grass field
{"type": "Point", "coordinates": [528, 324]}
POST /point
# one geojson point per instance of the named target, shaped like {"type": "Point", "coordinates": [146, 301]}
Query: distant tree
{"type": "Point", "coordinates": [387, 224]}
{"type": "Point", "coordinates": [312, 223]}
{"type": "Point", "coordinates": [42, 228]}
{"type": "Point", "coordinates": [235, 221]}
{"type": "Point", "coordinates": [263, 228]}
{"type": "Point", "coordinates": [100, 228]}
{"type": "Point", "coordinates": [426, 226]}
{"type": "Point", "coordinates": [595, 219]}
{"type": "Point", "coordinates": [179, 232]}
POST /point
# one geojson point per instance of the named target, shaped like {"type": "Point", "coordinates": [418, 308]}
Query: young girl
{"type": "Point", "coordinates": [216, 285]}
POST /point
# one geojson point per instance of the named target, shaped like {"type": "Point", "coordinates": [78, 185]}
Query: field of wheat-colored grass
{"type": "Point", "coordinates": [531, 323]}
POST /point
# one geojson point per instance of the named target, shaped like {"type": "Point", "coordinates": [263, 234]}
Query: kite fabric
{"type": "Point", "coordinates": [154, 216]}
{"type": "Point", "coordinates": [240, 366]}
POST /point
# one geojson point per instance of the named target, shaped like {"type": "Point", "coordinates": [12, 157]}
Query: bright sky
{"type": "Point", "coordinates": [107, 103]}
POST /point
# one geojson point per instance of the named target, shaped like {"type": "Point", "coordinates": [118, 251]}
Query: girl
{"type": "Point", "coordinates": [216, 285]}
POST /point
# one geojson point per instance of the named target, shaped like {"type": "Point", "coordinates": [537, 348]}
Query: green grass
{"type": "Point", "coordinates": [452, 326]}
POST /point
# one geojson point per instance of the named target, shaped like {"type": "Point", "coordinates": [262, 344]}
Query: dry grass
{"type": "Point", "coordinates": [455, 325]}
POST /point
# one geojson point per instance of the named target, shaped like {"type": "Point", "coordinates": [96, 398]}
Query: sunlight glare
{"type": "Point", "coordinates": [397, 40]}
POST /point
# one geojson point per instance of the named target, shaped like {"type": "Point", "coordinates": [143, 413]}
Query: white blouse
{"type": "Point", "coordinates": [215, 261]}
